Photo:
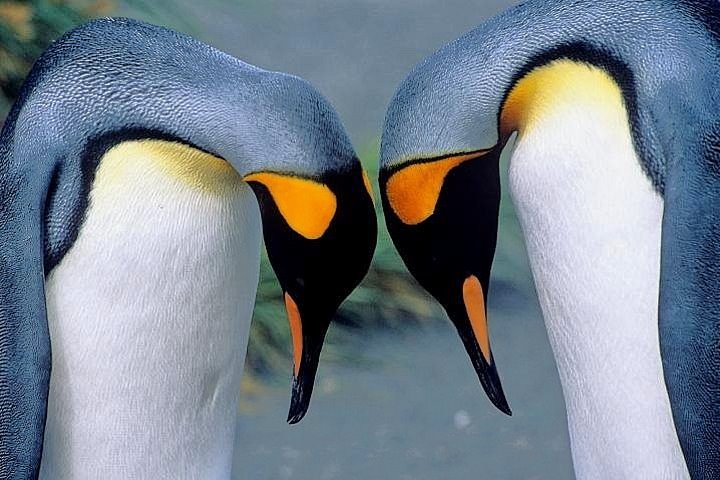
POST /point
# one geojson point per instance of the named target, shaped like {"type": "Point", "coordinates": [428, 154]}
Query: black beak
{"type": "Point", "coordinates": [469, 318]}
{"type": "Point", "coordinates": [307, 340]}
{"type": "Point", "coordinates": [303, 382]}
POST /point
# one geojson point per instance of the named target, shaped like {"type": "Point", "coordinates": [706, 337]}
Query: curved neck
{"type": "Point", "coordinates": [592, 223]}
{"type": "Point", "coordinates": [121, 77]}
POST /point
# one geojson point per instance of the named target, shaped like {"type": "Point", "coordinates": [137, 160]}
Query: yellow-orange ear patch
{"type": "Point", "coordinates": [295, 321]}
{"type": "Point", "coordinates": [414, 190]}
{"type": "Point", "coordinates": [474, 300]}
{"type": "Point", "coordinates": [306, 205]}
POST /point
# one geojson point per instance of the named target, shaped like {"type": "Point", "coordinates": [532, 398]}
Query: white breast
{"type": "Point", "coordinates": [149, 314]}
{"type": "Point", "coordinates": [592, 225]}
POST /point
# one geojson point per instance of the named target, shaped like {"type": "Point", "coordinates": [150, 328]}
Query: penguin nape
{"type": "Point", "coordinates": [131, 170]}
{"type": "Point", "coordinates": [615, 175]}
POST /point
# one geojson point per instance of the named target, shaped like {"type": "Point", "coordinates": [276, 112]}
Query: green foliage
{"type": "Point", "coordinates": [28, 27]}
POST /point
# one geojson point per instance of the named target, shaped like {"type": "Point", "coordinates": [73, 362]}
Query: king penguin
{"type": "Point", "coordinates": [138, 169]}
{"type": "Point", "coordinates": [614, 108]}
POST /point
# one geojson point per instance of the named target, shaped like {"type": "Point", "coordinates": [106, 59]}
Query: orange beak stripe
{"type": "Point", "coordinates": [414, 190]}
{"type": "Point", "coordinates": [295, 330]}
{"type": "Point", "coordinates": [368, 185]}
{"type": "Point", "coordinates": [306, 205]}
{"type": "Point", "coordinates": [475, 306]}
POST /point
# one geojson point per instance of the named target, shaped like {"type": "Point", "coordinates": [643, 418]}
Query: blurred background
{"type": "Point", "coordinates": [396, 396]}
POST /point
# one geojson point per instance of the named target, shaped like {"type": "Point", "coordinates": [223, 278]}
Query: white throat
{"type": "Point", "coordinates": [149, 314]}
{"type": "Point", "coordinates": [592, 225]}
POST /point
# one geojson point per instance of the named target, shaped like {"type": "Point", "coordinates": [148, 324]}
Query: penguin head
{"type": "Point", "coordinates": [320, 235]}
{"type": "Point", "coordinates": [442, 215]}
{"type": "Point", "coordinates": [318, 221]}
{"type": "Point", "coordinates": [440, 190]}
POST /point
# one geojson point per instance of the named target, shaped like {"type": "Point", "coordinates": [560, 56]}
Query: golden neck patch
{"type": "Point", "coordinates": [559, 84]}
{"type": "Point", "coordinates": [413, 191]}
{"type": "Point", "coordinates": [306, 205]}
{"type": "Point", "coordinates": [190, 166]}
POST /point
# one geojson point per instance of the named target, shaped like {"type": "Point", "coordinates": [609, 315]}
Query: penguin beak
{"type": "Point", "coordinates": [442, 215]}
{"type": "Point", "coordinates": [470, 320]}
{"type": "Point", "coordinates": [306, 348]}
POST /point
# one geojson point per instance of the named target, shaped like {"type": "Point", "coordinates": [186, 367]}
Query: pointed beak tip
{"type": "Point", "coordinates": [490, 383]}
{"type": "Point", "coordinates": [298, 409]}
{"type": "Point", "coordinates": [294, 416]}
{"type": "Point", "coordinates": [505, 408]}
{"type": "Point", "coordinates": [497, 397]}
{"type": "Point", "coordinates": [299, 401]}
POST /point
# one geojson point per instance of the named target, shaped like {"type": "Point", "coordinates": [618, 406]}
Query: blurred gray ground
{"type": "Point", "coordinates": [410, 407]}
